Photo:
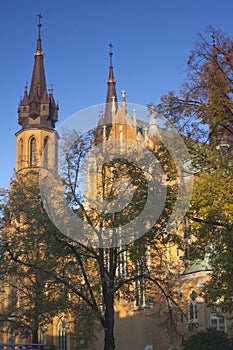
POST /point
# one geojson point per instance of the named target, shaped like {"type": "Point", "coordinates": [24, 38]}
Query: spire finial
{"type": "Point", "coordinates": [39, 47]}
{"type": "Point", "coordinates": [110, 47]}
{"type": "Point", "coordinates": [51, 89]}
{"type": "Point", "coordinates": [26, 87]}
{"type": "Point", "coordinates": [113, 104]}
{"type": "Point", "coordinates": [110, 55]}
{"type": "Point", "coordinates": [39, 18]}
{"type": "Point", "coordinates": [111, 76]}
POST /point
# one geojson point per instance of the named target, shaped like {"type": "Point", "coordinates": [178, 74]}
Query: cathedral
{"type": "Point", "coordinates": [148, 320]}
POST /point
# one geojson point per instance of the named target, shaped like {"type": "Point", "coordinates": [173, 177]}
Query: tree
{"type": "Point", "coordinates": [212, 225]}
{"type": "Point", "coordinates": [210, 339]}
{"type": "Point", "coordinates": [34, 296]}
{"type": "Point", "coordinates": [78, 259]}
{"type": "Point", "coordinates": [102, 272]}
{"type": "Point", "coordinates": [3, 200]}
{"type": "Point", "coordinates": [202, 111]}
{"type": "Point", "coordinates": [203, 107]}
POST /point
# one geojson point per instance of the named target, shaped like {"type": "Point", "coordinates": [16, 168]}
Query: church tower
{"type": "Point", "coordinates": [37, 115]}
{"type": "Point", "coordinates": [115, 122]}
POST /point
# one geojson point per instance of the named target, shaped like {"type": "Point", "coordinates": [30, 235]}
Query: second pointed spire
{"type": "Point", "coordinates": [111, 90]}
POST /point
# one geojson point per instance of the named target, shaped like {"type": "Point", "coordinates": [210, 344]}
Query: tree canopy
{"type": "Point", "coordinates": [77, 278]}
{"type": "Point", "coordinates": [210, 339]}
{"type": "Point", "coordinates": [203, 113]}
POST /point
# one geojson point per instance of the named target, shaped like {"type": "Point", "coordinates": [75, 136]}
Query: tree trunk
{"type": "Point", "coordinates": [109, 341]}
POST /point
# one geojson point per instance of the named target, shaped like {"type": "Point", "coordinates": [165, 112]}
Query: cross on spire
{"type": "Point", "coordinates": [39, 18]}
{"type": "Point", "coordinates": [110, 46]}
{"type": "Point", "coordinates": [26, 87]}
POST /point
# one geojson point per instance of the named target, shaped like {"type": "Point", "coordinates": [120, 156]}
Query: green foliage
{"type": "Point", "coordinates": [211, 228]}
{"type": "Point", "coordinates": [53, 274]}
{"type": "Point", "coordinates": [206, 96]}
{"type": "Point", "coordinates": [28, 260]}
{"type": "Point", "coordinates": [202, 111]}
{"type": "Point", "coordinates": [210, 339]}
{"type": "Point", "coordinates": [108, 273]}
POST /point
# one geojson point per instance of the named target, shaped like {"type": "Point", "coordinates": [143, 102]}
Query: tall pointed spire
{"type": "Point", "coordinates": [37, 108]}
{"type": "Point", "coordinates": [39, 47]}
{"type": "Point", "coordinates": [111, 90]}
{"type": "Point", "coordinates": [38, 83]}
{"type": "Point", "coordinates": [111, 81]}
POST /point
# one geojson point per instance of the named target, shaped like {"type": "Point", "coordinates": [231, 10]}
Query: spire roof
{"type": "Point", "coordinates": [37, 108]}
{"type": "Point", "coordinates": [111, 80]}
{"type": "Point", "coordinates": [38, 82]}
{"type": "Point", "coordinates": [111, 90]}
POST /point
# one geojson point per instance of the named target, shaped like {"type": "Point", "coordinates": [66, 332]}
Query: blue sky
{"type": "Point", "coordinates": [152, 40]}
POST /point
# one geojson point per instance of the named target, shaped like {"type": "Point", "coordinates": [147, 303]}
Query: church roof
{"type": "Point", "coordinates": [37, 108]}
{"type": "Point", "coordinates": [197, 266]}
{"type": "Point", "coordinates": [38, 89]}
{"type": "Point", "coordinates": [111, 91]}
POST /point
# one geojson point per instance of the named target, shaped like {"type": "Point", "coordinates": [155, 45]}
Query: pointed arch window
{"type": "Point", "coordinates": [140, 297]}
{"type": "Point", "coordinates": [20, 152]}
{"type": "Point", "coordinates": [62, 334]}
{"type": "Point", "coordinates": [32, 152]}
{"type": "Point", "coordinates": [121, 137]}
{"type": "Point", "coordinates": [192, 307]}
{"type": "Point", "coordinates": [46, 151]}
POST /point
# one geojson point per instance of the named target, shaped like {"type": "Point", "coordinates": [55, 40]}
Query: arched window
{"type": "Point", "coordinates": [41, 334]}
{"type": "Point", "coordinates": [20, 152]}
{"type": "Point", "coordinates": [32, 152]}
{"type": "Point", "coordinates": [46, 152]}
{"type": "Point", "coordinates": [192, 307]}
{"type": "Point", "coordinates": [121, 137]}
{"type": "Point", "coordinates": [62, 334]}
{"type": "Point", "coordinates": [140, 284]}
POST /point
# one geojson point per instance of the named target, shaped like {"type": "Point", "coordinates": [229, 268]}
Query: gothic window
{"type": "Point", "coordinates": [62, 334]}
{"type": "Point", "coordinates": [32, 152]}
{"type": "Point", "coordinates": [192, 307]}
{"type": "Point", "coordinates": [148, 257]}
{"type": "Point", "coordinates": [122, 270]}
{"type": "Point", "coordinates": [20, 152]}
{"type": "Point", "coordinates": [106, 258]}
{"type": "Point", "coordinates": [217, 320]}
{"type": "Point", "coordinates": [46, 151]}
{"type": "Point", "coordinates": [41, 334]}
{"type": "Point", "coordinates": [140, 292]}
{"type": "Point", "coordinates": [121, 137]}
{"type": "Point", "coordinates": [140, 284]}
